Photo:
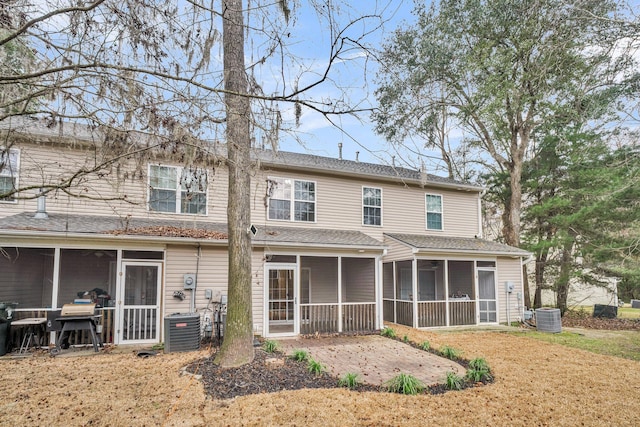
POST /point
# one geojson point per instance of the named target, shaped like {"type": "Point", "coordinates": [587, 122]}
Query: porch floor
{"type": "Point", "coordinates": [374, 358]}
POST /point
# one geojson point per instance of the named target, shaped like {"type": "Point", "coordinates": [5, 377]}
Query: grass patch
{"type": "Point", "coordinates": [624, 344]}
{"type": "Point", "coordinates": [270, 346]}
{"type": "Point", "coordinates": [388, 332]}
{"type": "Point", "coordinates": [300, 355]}
{"type": "Point", "coordinates": [454, 381]}
{"type": "Point", "coordinates": [628, 313]}
{"type": "Point", "coordinates": [405, 384]}
{"type": "Point", "coordinates": [425, 345]}
{"type": "Point", "coordinates": [449, 352]}
{"type": "Point", "coordinates": [315, 367]}
{"type": "Point", "coordinates": [349, 380]}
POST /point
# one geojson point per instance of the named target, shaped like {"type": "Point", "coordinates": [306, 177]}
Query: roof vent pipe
{"type": "Point", "coordinates": [357, 154]}
{"type": "Point", "coordinates": [41, 212]}
{"type": "Point", "coordinates": [340, 150]}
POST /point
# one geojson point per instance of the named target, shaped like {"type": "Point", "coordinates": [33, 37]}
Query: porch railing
{"type": "Point", "coordinates": [462, 313]}
{"type": "Point", "coordinates": [358, 317]}
{"type": "Point", "coordinates": [432, 313]}
{"type": "Point", "coordinates": [323, 318]}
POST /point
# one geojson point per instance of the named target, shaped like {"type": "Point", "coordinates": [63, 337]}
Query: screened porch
{"type": "Point", "coordinates": [335, 295]}
{"type": "Point", "coordinates": [436, 293]}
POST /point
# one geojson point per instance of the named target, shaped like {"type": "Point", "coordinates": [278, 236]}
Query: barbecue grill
{"type": "Point", "coordinates": [77, 317]}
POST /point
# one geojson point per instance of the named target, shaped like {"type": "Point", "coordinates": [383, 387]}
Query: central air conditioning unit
{"type": "Point", "coordinates": [548, 320]}
{"type": "Point", "coordinates": [181, 332]}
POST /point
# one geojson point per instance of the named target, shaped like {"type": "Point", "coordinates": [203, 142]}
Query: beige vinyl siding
{"type": "Point", "coordinates": [102, 192]}
{"type": "Point", "coordinates": [339, 206]}
{"type": "Point", "coordinates": [323, 278]}
{"type": "Point", "coordinates": [509, 270]}
{"type": "Point", "coordinates": [257, 290]}
{"type": "Point", "coordinates": [396, 251]}
{"type": "Point", "coordinates": [358, 280]}
{"type": "Point", "coordinates": [212, 274]}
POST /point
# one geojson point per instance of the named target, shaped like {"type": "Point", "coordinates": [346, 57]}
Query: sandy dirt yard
{"type": "Point", "coordinates": [535, 384]}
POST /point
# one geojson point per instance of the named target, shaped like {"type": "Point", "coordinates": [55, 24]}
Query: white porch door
{"type": "Point", "coordinates": [487, 305]}
{"type": "Point", "coordinates": [281, 300]}
{"type": "Point", "coordinates": [138, 309]}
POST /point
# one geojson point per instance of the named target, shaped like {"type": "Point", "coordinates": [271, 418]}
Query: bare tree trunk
{"type": "Point", "coordinates": [541, 263]}
{"type": "Point", "coordinates": [237, 347]}
{"type": "Point", "coordinates": [562, 284]}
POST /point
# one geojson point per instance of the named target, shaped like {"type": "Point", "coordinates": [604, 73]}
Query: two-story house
{"type": "Point", "coordinates": [339, 245]}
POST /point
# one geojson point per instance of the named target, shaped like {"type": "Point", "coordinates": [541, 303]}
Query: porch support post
{"type": "Point", "coordinates": [339, 294]}
{"type": "Point", "coordinates": [395, 316]}
{"type": "Point", "coordinates": [414, 287]}
{"type": "Point", "coordinates": [446, 289]}
{"type": "Point", "coordinates": [55, 287]}
{"type": "Point", "coordinates": [378, 292]}
{"type": "Point", "coordinates": [476, 296]}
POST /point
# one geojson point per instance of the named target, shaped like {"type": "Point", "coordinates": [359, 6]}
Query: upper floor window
{"type": "Point", "coordinates": [371, 206]}
{"type": "Point", "coordinates": [177, 190]}
{"type": "Point", "coordinates": [292, 198]}
{"type": "Point", "coordinates": [434, 212]}
{"type": "Point", "coordinates": [8, 173]}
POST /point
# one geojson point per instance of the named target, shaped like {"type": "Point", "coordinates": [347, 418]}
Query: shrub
{"type": "Point", "coordinates": [349, 380]}
{"type": "Point", "coordinates": [405, 338]}
{"type": "Point", "coordinates": [478, 370]}
{"type": "Point", "coordinates": [454, 381]}
{"type": "Point", "coordinates": [404, 384]}
{"type": "Point", "coordinates": [449, 352]}
{"type": "Point", "coordinates": [270, 346]}
{"type": "Point", "coordinates": [425, 345]}
{"type": "Point", "coordinates": [300, 355]}
{"type": "Point", "coordinates": [388, 332]}
{"type": "Point", "coordinates": [315, 367]}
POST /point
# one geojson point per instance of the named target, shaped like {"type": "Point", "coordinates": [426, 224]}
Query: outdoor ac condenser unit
{"type": "Point", "coordinates": [181, 332]}
{"type": "Point", "coordinates": [548, 320]}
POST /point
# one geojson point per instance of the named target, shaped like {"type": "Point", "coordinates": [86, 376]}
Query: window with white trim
{"type": "Point", "coordinates": [8, 173]}
{"type": "Point", "coordinates": [176, 189]}
{"type": "Point", "coordinates": [371, 206]}
{"type": "Point", "coordinates": [291, 199]}
{"type": "Point", "coordinates": [434, 211]}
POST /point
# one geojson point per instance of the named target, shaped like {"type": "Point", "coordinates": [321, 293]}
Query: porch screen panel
{"type": "Point", "coordinates": [358, 280]}
{"type": "Point", "coordinates": [87, 274]}
{"type": "Point", "coordinates": [487, 296]}
{"type": "Point", "coordinates": [387, 280]}
{"type": "Point", "coordinates": [323, 279]}
{"type": "Point", "coordinates": [26, 276]}
{"type": "Point", "coordinates": [404, 277]}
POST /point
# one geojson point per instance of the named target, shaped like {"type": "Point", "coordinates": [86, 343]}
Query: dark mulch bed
{"type": "Point", "coordinates": [283, 373]}
{"type": "Point", "coordinates": [262, 377]}
{"type": "Point", "coordinates": [583, 319]}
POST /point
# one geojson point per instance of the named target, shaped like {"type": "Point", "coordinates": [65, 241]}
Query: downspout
{"type": "Point", "coordinates": [192, 308]}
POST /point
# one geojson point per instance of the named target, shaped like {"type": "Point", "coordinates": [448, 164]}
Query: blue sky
{"type": "Point", "coordinates": [316, 135]}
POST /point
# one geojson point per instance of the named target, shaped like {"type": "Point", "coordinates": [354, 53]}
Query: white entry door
{"type": "Point", "coordinates": [138, 308]}
{"type": "Point", "coordinates": [281, 300]}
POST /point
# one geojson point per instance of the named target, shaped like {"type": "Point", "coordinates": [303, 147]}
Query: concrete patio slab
{"type": "Point", "coordinates": [374, 358]}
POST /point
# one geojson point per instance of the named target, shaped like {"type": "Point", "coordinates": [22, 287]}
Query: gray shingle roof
{"type": "Point", "coordinates": [197, 230]}
{"type": "Point", "coordinates": [316, 236]}
{"type": "Point", "coordinates": [330, 164]}
{"type": "Point", "coordinates": [456, 244]}
{"type": "Point", "coordinates": [282, 159]}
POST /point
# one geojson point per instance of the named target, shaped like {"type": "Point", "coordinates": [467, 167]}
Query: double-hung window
{"type": "Point", "coordinates": [434, 211]}
{"type": "Point", "coordinates": [8, 174]}
{"type": "Point", "coordinates": [292, 199]}
{"type": "Point", "coordinates": [371, 206]}
{"type": "Point", "coordinates": [177, 190]}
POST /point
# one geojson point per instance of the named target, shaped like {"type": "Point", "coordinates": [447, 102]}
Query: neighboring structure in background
{"type": "Point", "coordinates": [338, 245]}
